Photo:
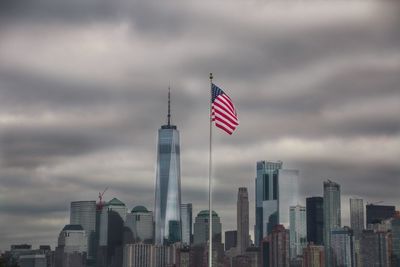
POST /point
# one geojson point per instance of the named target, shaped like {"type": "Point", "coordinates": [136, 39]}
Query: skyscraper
{"type": "Point", "coordinates": [168, 182]}
{"type": "Point", "coordinates": [298, 230]}
{"type": "Point", "coordinates": [279, 246]}
{"type": "Point", "coordinates": [140, 223]}
{"type": "Point", "coordinates": [356, 217]}
{"type": "Point", "coordinates": [276, 191]}
{"type": "Point", "coordinates": [187, 222]}
{"type": "Point", "coordinates": [374, 248]}
{"type": "Point", "coordinates": [242, 220]}
{"type": "Point", "coordinates": [84, 213]}
{"type": "Point", "coordinates": [230, 239]}
{"type": "Point", "coordinates": [315, 219]}
{"type": "Point", "coordinates": [201, 228]}
{"type": "Point", "coordinates": [313, 256]}
{"type": "Point", "coordinates": [332, 218]}
{"type": "Point", "coordinates": [377, 213]}
{"type": "Point", "coordinates": [342, 247]}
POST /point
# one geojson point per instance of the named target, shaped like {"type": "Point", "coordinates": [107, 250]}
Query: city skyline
{"type": "Point", "coordinates": [82, 93]}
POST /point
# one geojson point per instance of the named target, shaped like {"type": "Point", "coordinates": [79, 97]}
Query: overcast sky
{"type": "Point", "coordinates": [83, 90]}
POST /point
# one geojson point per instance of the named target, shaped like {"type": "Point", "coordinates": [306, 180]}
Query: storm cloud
{"type": "Point", "coordinates": [83, 89]}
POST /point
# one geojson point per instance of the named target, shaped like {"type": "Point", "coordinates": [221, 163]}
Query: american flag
{"type": "Point", "coordinates": [223, 111]}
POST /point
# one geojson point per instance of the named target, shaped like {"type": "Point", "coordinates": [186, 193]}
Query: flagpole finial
{"type": "Point", "coordinates": [211, 76]}
{"type": "Point", "coordinates": [169, 106]}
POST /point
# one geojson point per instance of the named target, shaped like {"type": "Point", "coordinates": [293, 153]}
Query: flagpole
{"type": "Point", "coordinates": [210, 183]}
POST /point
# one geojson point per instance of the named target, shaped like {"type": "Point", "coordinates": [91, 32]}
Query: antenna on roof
{"type": "Point", "coordinates": [169, 105]}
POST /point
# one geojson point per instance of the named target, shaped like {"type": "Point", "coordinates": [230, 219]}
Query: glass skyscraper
{"type": "Point", "coordinates": [276, 190]}
{"type": "Point", "coordinates": [187, 222]}
{"type": "Point", "coordinates": [315, 219]}
{"type": "Point", "coordinates": [298, 230]}
{"type": "Point", "coordinates": [356, 217]}
{"type": "Point", "coordinates": [332, 217]}
{"type": "Point", "coordinates": [168, 184]}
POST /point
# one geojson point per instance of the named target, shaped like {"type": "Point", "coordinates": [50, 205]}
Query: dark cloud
{"type": "Point", "coordinates": [83, 89]}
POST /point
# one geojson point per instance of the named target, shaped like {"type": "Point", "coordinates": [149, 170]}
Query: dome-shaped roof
{"type": "Point", "coordinates": [205, 213]}
{"type": "Point", "coordinates": [139, 209]}
{"type": "Point", "coordinates": [115, 202]}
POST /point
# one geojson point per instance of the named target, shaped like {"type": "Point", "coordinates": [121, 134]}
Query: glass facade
{"type": "Point", "coordinates": [332, 218]}
{"type": "Point", "coordinates": [356, 217]}
{"type": "Point", "coordinates": [315, 219]}
{"type": "Point", "coordinates": [168, 184]}
{"type": "Point", "coordinates": [187, 222]}
{"type": "Point", "coordinates": [276, 190]}
{"type": "Point", "coordinates": [298, 230]}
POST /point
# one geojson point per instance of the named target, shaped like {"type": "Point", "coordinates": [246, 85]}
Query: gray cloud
{"type": "Point", "coordinates": [83, 91]}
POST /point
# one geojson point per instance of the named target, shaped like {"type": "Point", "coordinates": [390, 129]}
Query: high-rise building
{"type": "Point", "coordinates": [315, 219]}
{"type": "Point", "coordinates": [276, 191]}
{"type": "Point", "coordinates": [187, 222]}
{"type": "Point", "coordinates": [378, 213]}
{"type": "Point", "coordinates": [395, 228]}
{"type": "Point", "coordinates": [201, 228]}
{"type": "Point", "coordinates": [242, 220]}
{"type": "Point", "coordinates": [279, 247]}
{"type": "Point", "coordinates": [332, 217]}
{"type": "Point", "coordinates": [342, 247]}
{"type": "Point", "coordinates": [298, 230]}
{"type": "Point", "coordinates": [140, 223]}
{"type": "Point", "coordinates": [84, 214]}
{"type": "Point", "coordinates": [357, 217]}
{"type": "Point", "coordinates": [72, 247]}
{"type": "Point", "coordinates": [375, 248]}
{"type": "Point", "coordinates": [168, 182]}
{"type": "Point", "coordinates": [230, 239]}
{"type": "Point", "coordinates": [314, 256]}
{"type": "Point", "coordinates": [112, 220]}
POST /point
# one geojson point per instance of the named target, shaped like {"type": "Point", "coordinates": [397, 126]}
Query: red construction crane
{"type": "Point", "coordinates": [100, 204]}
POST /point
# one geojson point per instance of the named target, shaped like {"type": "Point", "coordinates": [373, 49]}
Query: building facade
{"type": "Point", "coordinates": [140, 223]}
{"type": "Point", "coordinates": [230, 239]}
{"type": "Point", "coordinates": [279, 247]}
{"type": "Point", "coordinates": [357, 217]}
{"type": "Point", "coordinates": [375, 248]}
{"type": "Point", "coordinates": [168, 183]}
{"type": "Point", "coordinates": [378, 213]}
{"type": "Point", "coordinates": [84, 214]}
{"type": "Point", "coordinates": [315, 220]}
{"type": "Point", "coordinates": [298, 230]}
{"type": "Point", "coordinates": [314, 256]}
{"type": "Point", "coordinates": [72, 247]}
{"type": "Point", "coordinates": [242, 220]}
{"type": "Point", "coordinates": [276, 190]}
{"type": "Point", "coordinates": [332, 216]}
{"type": "Point", "coordinates": [201, 228]}
{"type": "Point", "coordinates": [187, 222]}
{"type": "Point", "coordinates": [342, 247]}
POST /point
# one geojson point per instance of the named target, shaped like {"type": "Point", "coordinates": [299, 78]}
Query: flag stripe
{"type": "Point", "coordinates": [223, 108]}
{"type": "Point", "coordinates": [226, 117]}
{"type": "Point", "coordinates": [223, 111]}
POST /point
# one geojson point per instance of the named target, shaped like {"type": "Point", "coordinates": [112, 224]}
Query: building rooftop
{"type": "Point", "coordinates": [140, 209]}
{"type": "Point", "coordinates": [205, 213]}
{"type": "Point", "coordinates": [115, 202]}
{"type": "Point", "coordinates": [73, 227]}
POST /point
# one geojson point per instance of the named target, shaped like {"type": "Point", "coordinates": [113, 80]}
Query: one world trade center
{"type": "Point", "coordinates": [168, 184]}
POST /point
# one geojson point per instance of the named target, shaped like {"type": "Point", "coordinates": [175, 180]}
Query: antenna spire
{"type": "Point", "coordinates": [169, 106]}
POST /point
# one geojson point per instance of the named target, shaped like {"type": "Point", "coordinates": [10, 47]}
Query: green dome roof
{"type": "Point", "coordinates": [139, 209]}
{"type": "Point", "coordinates": [204, 213]}
{"type": "Point", "coordinates": [115, 202]}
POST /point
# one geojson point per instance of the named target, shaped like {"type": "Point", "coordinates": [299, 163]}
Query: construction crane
{"type": "Point", "coordinates": [101, 202]}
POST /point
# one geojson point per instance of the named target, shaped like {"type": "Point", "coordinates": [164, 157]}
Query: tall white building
{"type": "Point", "coordinates": [187, 222]}
{"type": "Point", "coordinates": [84, 213]}
{"type": "Point", "coordinates": [298, 230]}
{"type": "Point", "coordinates": [140, 222]}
